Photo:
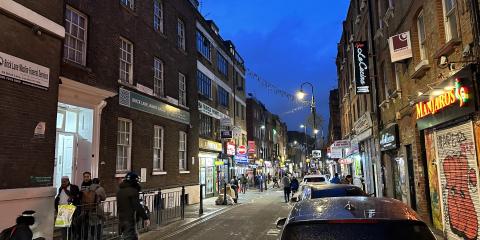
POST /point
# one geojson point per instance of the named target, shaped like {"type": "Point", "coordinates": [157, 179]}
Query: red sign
{"type": "Point", "coordinates": [242, 149]}
{"type": "Point", "coordinates": [251, 146]}
{"type": "Point", "coordinates": [231, 148]}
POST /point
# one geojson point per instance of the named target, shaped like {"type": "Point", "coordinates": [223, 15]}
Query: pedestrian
{"type": "Point", "coordinates": [129, 207]}
{"type": "Point", "coordinates": [347, 180]}
{"type": "Point", "coordinates": [269, 178]}
{"type": "Point", "coordinates": [335, 179]}
{"type": "Point", "coordinates": [260, 182]}
{"type": "Point", "coordinates": [244, 182]}
{"type": "Point", "coordinates": [275, 182]}
{"type": "Point", "coordinates": [97, 216]}
{"type": "Point", "coordinates": [294, 184]}
{"type": "Point", "coordinates": [99, 190]}
{"type": "Point", "coordinates": [234, 186]}
{"type": "Point", "coordinates": [87, 211]}
{"type": "Point", "coordinates": [87, 181]}
{"type": "Point", "coordinates": [68, 194]}
{"type": "Point", "coordinates": [286, 188]}
{"type": "Point", "coordinates": [22, 229]}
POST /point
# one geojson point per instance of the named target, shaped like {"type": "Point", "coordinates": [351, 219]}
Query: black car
{"type": "Point", "coordinates": [342, 218]}
{"type": "Point", "coordinates": [328, 190]}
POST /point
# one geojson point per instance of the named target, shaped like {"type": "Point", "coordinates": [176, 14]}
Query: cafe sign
{"type": "Point", "coordinates": [389, 138]}
{"type": "Point", "coordinates": [362, 76]}
{"type": "Point", "coordinates": [458, 94]}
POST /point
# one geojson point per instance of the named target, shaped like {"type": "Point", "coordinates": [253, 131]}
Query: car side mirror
{"type": "Point", "coordinates": [281, 222]}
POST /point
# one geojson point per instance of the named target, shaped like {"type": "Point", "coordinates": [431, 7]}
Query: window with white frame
{"type": "Point", "coordinates": [182, 151]}
{"type": "Point", "coordinates": [124, 145]}
{"type": "Point", "coordinates": [128, 3]}
{"type": "Point", "coordinates": [182, 90]}
{"type": "Point", "coordinates": [126, 61]}
{"type": "Point", "coordinates": [158, 77]}
{"type": "Point", "coordinates": [157, 15]}
{"type": "Point", "coordinates": [181, 34]}
{"type": "Point", "coordinates": [450, 18]}
{"type": "Point", "coordinates": [158, 148]}
{"type": "Point", "coordinates": [421, 35]}
{"type": "Point", "coordinates": [75, 44]}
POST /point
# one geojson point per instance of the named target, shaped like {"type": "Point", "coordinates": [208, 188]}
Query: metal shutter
{"type": "Point", "coordinates": [458, 173]}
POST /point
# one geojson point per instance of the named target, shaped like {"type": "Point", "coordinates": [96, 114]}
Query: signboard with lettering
{"type": "Point", "coordinates": [230, 148]}
{"type": "Point", "coordinates": [241, 159]}
{"type": "Point", "coordinates": [22, 71]}
{"type": "Point", "coordinates": [251, 146]}
{"type": "Point", "coordinates": [400, 46]}
{"type": "Point", "coordinates": [389, 138]}
{"type": "Point", "coordinates": [362, 76]}
{"type": "Point", "coordinates": [226, 134]}
{"type": "Point", "coordinates": [363, 123]}
{"type": "Point", "coordinates": [209, 145]}
{"type": "Point", "coordinates": [210, 111]}
{"type": "Point", "coordinates": [336, 153]}
{"type": "Point", "coordinates": [316, 153]}
{"type": "Point", "coordinates": [145, 104]}
{"type": "Point", "coordinates": [242, 149]}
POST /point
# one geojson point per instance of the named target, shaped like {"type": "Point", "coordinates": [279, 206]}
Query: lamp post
{"type": "Point", "coordinates": [300, 95]}
{"type": "Point", "coordinates": [306, 140]}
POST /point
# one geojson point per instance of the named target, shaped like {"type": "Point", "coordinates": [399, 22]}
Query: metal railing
{"type": "Point", "coordinates": [100, 221]}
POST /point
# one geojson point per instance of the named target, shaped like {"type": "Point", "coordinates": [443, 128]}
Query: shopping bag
{"type": "Point", "coordinates": [65, 215]}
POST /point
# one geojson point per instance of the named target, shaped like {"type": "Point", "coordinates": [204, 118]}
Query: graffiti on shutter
{"type": "Point", "coordinates": [458, 173]}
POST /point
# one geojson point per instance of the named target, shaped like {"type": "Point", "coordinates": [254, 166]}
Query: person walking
{"type": "Point", "coordinates": [294, 184]}
{"type": "Point", "coordinates": [22, 229]}
{"type": "Point", "coordinates": [244, 182]}
{"type": "Point", "coordinates": [97, 216]}
{"type": "Point", "coordinates": [234, 186]}
{"type": "Point", "coordinates": [129, 207]}
{"type": "Point", "coordinates": [286, 188]}
{"type": "Point", "coordinates": [335, 179]}
{"type": "Point", "coordinates": [269, 178]}
{"type": "Point", "coordinates": [275, 182]}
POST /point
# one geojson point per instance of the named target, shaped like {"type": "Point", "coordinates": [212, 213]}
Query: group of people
{"type": "Point", "coordinates": [346, 180]}
{"type": "Point", "coordinates": [290, 185]}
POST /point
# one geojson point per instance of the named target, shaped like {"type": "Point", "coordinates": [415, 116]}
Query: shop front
{"type": "Point", "coordinates": [450, 129]}
{"type": "Point", "coordinates": [364, 167]}
{"type": "Point", "coordinates": [208, 159]}
{"type": "Point", "coordinates": [393, 174]}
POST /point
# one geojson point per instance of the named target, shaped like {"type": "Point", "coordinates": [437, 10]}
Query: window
{"type": "Point", "coordinates": [450, 16]}
{"type": "Point", "coordinates": [182, 90]}
{"type": "Point", "coordinates": [222, 64]}
{"type": "Point", "coordinates": [126, 61]}
{"type": "Point", "coordinates": [182, 151]}
{"type": "Point", "coordinates": [421, 35]}
{"type": "Point", "coordinates": [158, 15]}
{"type": "Point", "coordinates": [223, 97]}
{"type": "Point", "coordinates": [128, 3]}
{"type": "Point", "coordinates": [158, 77]}
{"type": "Point", "coordinates": [243, 112]}
{"type": "Point", "coordinates": [205, 126]}
{"type": "Point", "coordinates": [124, 144]}
{"type": "Point", "coordinates": [203, 45]}
{"type": "Point", "coordinates": [204, 84]}
{"type": "Point", "coordinates": [158, 148]}
{"type": "Point", "coordinates": [181, 34]}
{"type": "Point", "coordinates": [75, 45]}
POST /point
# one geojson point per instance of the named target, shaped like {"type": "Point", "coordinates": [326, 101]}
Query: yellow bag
{"type": "Point", "coordinates": [64, 215]}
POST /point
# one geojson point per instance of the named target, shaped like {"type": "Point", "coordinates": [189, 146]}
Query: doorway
{"type": "Point", "coordinates": [411, 177]}
{"type": "Point", "coordinates": [73, 149]}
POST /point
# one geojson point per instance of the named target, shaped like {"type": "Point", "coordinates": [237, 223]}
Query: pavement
{"type": "Point", "coordinates": [254, 217]}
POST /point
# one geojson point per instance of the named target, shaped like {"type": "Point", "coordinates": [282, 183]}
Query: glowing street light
{"type": "Point", "coordinates": [262, 127]}
{"type": "Point", "coordinates": [301, 94]}
{"type": "Point", "coordinates": [302, 126]}
{"type": "Point", "coordinates": [315, 131]}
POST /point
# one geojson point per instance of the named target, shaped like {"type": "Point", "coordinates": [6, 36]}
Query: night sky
{"type": "Point", "coordinates": [285, 43]}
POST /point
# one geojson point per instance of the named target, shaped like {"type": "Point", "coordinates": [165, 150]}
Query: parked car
{"type": "Point", "coordinates": [316, 179]}
{"type": "Point", "coordinates": [343, 218]}
{"type": "Point", "coordinates": [328, 190]}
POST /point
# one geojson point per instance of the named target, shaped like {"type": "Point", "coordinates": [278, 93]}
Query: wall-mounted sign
{"type": "Point", "coordinates": [389, 138]}
{"type": "Point", "coordinates": [336, 153]}
{"type": "Point", "coordinates": [22, 71]}
{"type": "Point", "coordinates": [144, 89]}
{"type": "Point", "coordinates": [362, 76]}
{"type": "Point", "coordinates": [316, 153]}
{"type": "Point", "coordinates": [226, 134]}
{"type": "Point", "coordinates": [39, 131]}
{"type": "Point", "coordinates": [400, 46]}
{"type": "Point", "coordinates": [210, 111]}
{"type": "Point", "coordinates": [242, 149]}
{"type": "Point", "coordinates": [345, 161]}
{"type": "Point", "coordinates": [341, 144]}
{"type": "Point", "coordinates": [230, 148]}
{"type": "Point", "coordinates": [145, 104]}
{"type": "Point", "coordinates": [241, 159]}
{"type": "Point", "coordinates": [209, 145]}
{"type": "Point", "coordinates": [363, 123]}
{"type": "Point", "coordinates": [251, 146]}
{"type": "Point", "coordinates": [458, 93]}
{"type": "Point", "coordinates": [226, 121]}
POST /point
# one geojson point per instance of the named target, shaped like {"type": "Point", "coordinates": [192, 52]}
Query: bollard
{"type": "Point", "coordinates": [225, 193]}
{"type": "Point", "coordinates": [200, 211]}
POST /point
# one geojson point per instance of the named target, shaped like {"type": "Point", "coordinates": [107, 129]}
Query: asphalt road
{"type": "Point", "coordinates": [253, 219]}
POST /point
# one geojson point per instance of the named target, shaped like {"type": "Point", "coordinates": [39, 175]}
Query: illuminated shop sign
{"type": "Point", "coordinates": [458, 93]}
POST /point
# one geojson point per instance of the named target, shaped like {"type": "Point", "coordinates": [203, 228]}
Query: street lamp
{"type": "Point", "coordinates": [300, 95]}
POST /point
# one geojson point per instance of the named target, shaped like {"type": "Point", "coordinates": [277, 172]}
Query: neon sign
{"type": "Point", "coordinates": [458, 93]}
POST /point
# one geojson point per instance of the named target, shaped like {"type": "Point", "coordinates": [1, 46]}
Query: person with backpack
{"type": "Point", "coordinates": [21, 230]}
{"type": "Point", "coordinates": [129, 207]}
{"type": "Point", "coordinates": [244, 182]}
{"type": "Point", "coordinates": [86, 222]}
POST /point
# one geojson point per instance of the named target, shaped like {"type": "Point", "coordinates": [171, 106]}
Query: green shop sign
{"type": "Point", "coordinates": [145, 104]}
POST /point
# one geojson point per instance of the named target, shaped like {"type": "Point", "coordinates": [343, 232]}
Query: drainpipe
{"type": "Point", "coordinates": [97, 121]}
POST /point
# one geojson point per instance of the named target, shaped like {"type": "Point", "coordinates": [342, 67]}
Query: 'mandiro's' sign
{"type": "Point", "coordinates": [458, 93]}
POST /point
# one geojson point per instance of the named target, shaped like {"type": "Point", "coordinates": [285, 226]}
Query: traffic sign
{"type": "Point", "coordinates": [242, 149]}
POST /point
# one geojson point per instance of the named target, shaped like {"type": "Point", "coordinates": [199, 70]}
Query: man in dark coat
{"type": "Point", "coordinates": [21, 230]}
{"type": "Point", "coordinates": [67, 193]}
{"type": "Point", "coordinates": [129, 207]}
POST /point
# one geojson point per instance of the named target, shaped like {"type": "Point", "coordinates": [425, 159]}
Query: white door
{"type": "Point", "coordinates": [65, 157]}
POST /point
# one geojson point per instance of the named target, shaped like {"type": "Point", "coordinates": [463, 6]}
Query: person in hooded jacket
{"type": "Point", "coordinates": [21, 230]}
{"type": "Point", "coordinates": [129, 207]}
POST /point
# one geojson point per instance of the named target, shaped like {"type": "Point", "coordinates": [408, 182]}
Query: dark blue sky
{"type": "Point", "coordinates": [286, 43]}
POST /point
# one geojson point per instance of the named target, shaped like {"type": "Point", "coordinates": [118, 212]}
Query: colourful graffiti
{"type": "Point", "coordinates": [461, 210]}
{"type": "Point", "coordinates": [433, 180]}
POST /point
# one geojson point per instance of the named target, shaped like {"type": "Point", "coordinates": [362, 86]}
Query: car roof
{"type": "Point", "coordinates": [314, 176]}
{"type": "Point", "coordinates": [321, 187]}
{"type": "Point", "coordinates": [362, 208]}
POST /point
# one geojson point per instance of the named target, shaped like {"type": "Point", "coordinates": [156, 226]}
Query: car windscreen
{"type": "Point", "coordinates": [337, 192]}
{"type": "Point", "coordinates": [393, 230]}
{"type": "Point", "coordinates": [315, 179]}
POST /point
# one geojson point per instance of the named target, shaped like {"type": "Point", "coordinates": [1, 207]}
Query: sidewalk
{"type": "Point", "coordinates": [192, 217]}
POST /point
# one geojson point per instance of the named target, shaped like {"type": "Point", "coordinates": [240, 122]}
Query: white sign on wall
{"type": "Point", "coordinates": [21, 71]}
{"type": "Point", "coordinates": [400, 46]}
